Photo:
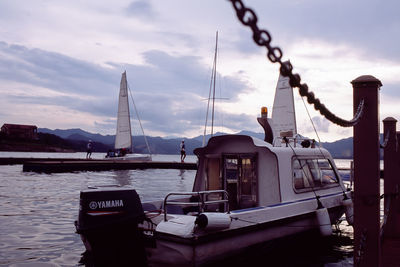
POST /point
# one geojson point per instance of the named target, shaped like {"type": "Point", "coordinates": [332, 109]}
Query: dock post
{"type": "Point", "coordinates": [391, 177]}
{"type": "Point", "coordinates": [390, 229]}
{"type": "Point", "coordinates": [366, 173]}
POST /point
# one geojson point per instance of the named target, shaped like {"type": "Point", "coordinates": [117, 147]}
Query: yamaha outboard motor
{"type": "Point", "coordinates": [108, 224]}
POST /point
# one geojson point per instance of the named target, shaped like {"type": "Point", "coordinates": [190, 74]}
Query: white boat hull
{"type": "Point", "coordinates": [171, 251]}
{"type": "Point", "coordinates": [248, 228]}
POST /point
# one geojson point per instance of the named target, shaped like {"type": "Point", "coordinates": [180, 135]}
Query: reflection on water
{"type": "Point", "coordinates": [182, 174]}
{"type": "Point", "coordinates": [37, 211]}
{"type": "Point", "coordinates": [122, 177]}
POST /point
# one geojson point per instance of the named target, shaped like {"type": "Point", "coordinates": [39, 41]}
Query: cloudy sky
{"type": "Point", "coordinates": [61, 61]}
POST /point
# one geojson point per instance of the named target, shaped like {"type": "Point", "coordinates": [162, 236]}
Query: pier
{"type": "Point", "coordinates": [58, 165]}
{"type": "Point", "coordinates": [22, 160]}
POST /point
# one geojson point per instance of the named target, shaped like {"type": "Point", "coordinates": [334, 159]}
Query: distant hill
{"type": "Point", "coordinates": [102, 143]}
{"type": "Point", "coordinates": [78, 134]}
{"type": "Point", "coordinates": [45, 142]}
{"type": "Point", "coordinates": [341, 149]}
{"type": "Point", "coordinates": [78, 139]}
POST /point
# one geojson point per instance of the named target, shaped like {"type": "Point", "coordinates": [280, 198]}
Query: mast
{"type": "Point", "coordinates": [212, 87]}
{"type": "Point", "coordinates": [215, 74]}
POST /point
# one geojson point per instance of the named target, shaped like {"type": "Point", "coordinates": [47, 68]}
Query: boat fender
{"type": "Point", "coordinates": [324, 221]}
{"type": "Point", "coordinates": [213, 220]}
{"type": "Point", "coordinates": [349, 210]}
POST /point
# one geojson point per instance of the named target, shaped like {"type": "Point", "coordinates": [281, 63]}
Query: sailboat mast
{"type": "Point", "coordinates": [212, 85]}
{"type": "Point", "coordinates": [214, 76]}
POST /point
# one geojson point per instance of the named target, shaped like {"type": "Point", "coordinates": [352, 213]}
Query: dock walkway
{"type": "Point", "coordinates": [58, 165]}
{"type": "Point", "coordinates": [102, 165]}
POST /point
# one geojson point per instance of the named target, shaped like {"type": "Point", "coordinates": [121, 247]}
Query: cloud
{"type": "Point", "coordinates": [321, 124]}
{"type": "Point", "coordinates": [167, 89]}
{"type": "Point", "coordinates": [141, 8]}
{"type": "Point", "coordinates": [52, 70]}
{"type": "Point", "coordinates": [62, 58]}
{"type": "Point", "coordinates": [365, 25]}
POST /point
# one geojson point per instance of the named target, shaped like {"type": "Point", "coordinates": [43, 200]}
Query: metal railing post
{"type": "Point", "coordinates": [366, 173]}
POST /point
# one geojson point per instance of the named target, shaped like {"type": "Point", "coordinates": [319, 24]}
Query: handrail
{"type": "Point", "coordinates": [294, 139]}
{"type": "Point", "coordinates": [201, 203]}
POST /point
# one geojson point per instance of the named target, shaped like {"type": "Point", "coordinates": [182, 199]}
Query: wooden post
{"type": "Point", "coordinates": [391, 176]}
{"type": "Point", "coordinates": [366, 173]}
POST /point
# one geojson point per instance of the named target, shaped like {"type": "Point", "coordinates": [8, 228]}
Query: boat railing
{"type": "Point", "coordinates": [294, 140]}
{"type": "Point", "coordinates": [201, 200]}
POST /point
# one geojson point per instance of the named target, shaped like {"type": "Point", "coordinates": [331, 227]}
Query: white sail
{"type": "Point", "coordinates": [123, 138]}
{"type": "Point", "coordinates": [283, 113]}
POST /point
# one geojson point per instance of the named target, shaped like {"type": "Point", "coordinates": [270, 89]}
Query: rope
{"type": "Point", "coordinates": [312, 122]}
{"type": "Point", "coordinates": [140, 123]}
{"type": "Point", "coordinates": [385, 142]}
{"type": "Point", "coordinates": [263, 38]}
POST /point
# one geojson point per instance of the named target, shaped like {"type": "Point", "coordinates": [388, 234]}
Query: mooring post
{"type": "Point", "coordinates": [391, 176]}
{"type": "Point", "coordinates": [366, 173]}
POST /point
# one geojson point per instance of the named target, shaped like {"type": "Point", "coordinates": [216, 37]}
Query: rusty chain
{"type": "Point", "coordinates": [263, 38]}
{"type": "Point", "coordinates": [385, 142]}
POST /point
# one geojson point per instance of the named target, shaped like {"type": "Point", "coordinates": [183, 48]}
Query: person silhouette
{"type": "Point", "coordinates": [89, 147]}
{"type": "Point", "coordinates": [183, 151]}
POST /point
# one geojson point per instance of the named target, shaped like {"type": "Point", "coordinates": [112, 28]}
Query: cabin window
{"type": "Point", "coordinates": [313, 173]}
{"type": "Point", "coordinates": [240, 180]}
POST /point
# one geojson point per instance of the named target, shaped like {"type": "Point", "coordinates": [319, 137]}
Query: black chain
{"type": "Point", "coordinates": [274, 54]}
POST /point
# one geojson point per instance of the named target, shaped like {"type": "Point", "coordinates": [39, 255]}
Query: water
{"type": "Point", "coordinates": [37, 214]}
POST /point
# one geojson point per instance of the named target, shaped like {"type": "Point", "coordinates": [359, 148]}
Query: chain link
{"type": "Point", "coordinates": [263, 38]}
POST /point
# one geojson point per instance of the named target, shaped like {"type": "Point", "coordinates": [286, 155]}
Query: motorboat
{"type": "Point", "coordinates": [246, 191]}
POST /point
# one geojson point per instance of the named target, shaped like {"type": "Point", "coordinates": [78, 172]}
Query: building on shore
{"type": "Point", "coordinates": [19, 131]}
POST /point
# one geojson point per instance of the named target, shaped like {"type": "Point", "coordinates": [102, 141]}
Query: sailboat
{"type": "Point", "coordinates": [123, 137]}
{"type": "Point", "coordinates": [246, 192]}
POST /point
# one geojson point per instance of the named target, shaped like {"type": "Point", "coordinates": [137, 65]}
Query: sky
{"type": "Point", "coordinates": [61, 62]}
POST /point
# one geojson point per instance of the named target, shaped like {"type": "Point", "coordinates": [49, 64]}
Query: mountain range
{"type": "Point", "coordinates": [342, 148]}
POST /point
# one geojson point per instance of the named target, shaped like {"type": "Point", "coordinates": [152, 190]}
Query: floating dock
{"type": "Point", "coordinates": [101, 165]}
{"type": "Point", "coordinates": [22, 160]}
{"type": "Point", "coordinates": [53, 165]}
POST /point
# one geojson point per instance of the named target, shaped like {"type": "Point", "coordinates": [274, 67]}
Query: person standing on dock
{"type": "Point", "coordinates": [183, 152]}
{"type": "Point", "coordinates": [89, 149]}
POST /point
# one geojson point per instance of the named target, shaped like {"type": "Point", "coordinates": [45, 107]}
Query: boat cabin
{"type": "Point", "coordinates": [254, 173]}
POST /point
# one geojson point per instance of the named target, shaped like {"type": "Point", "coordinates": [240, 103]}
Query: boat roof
{"type": "Point", "coordinates": [215, 141]}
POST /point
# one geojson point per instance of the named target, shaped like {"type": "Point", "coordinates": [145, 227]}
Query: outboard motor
{"type": "Point", "coordinates": [108, 225]}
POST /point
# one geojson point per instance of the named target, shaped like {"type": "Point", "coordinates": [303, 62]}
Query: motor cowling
{"type": "Point", "coordinates": [108, 224]}
{"type": "Point", "coordinates": [101, 207]}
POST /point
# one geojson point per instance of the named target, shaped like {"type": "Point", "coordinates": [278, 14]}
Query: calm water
{"type": "Point", "coordinates": [37, 214]}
